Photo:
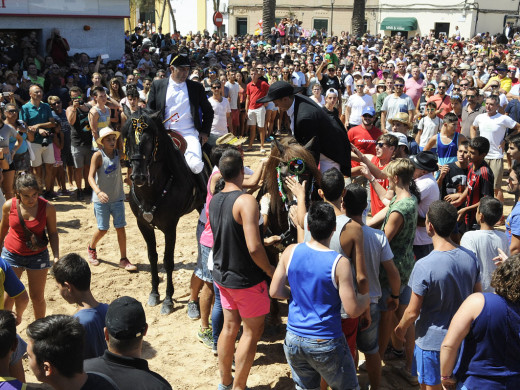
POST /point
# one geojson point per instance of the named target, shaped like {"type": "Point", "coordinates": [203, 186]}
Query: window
{"type": "Point", "coordinates": [241, 26]}
{"type": "Point", "coordinates": [319, 24]}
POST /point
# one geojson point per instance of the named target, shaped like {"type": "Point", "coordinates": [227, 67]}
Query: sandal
{"type": "Point", "coordinates": [92, 256]}
{"type": "Point", "coordinates": [125, 264]}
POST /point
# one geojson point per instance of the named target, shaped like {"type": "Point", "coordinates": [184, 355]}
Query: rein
{"type": "Point", "coordinates": [148, 215]}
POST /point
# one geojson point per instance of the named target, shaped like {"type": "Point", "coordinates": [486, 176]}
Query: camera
{"type": "Point", "coordinates": [20, 123]}
{"type": "Point", "coordinates": [48, 139]}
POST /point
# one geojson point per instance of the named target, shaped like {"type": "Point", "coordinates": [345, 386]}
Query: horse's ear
{"type": "Point", "coordinates": [279, 146]}
{"type": "Point", "coordinates": [310, 145]}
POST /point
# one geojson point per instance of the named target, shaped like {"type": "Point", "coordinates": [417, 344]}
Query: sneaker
{"type": "Point", "coordinates": [262, 151]}
{"type": "Point", "coordinates": [87, 191]}
{"type": "Point", "coordinates": [404, 373]}
{"type": "Point", "coordinates": [206, 337]}
{"type": "Point", "coordinates": [224, 387]}
{"type": "Point", "coordinates": [126, 265]}
{"type": "Point", "coordinates": [362, 366]}
{"type": "Point", "coordinates": [392, 354]}
{"type": "Point", "coordinates": [214, 350]}
{"type": "Point", "coordinates": [50, 195]}
{"type": "Point", "coordinates": [269, 139]}
{"type": "Point", "coordinates": [92, 256]}
{"type": "Point", "coordinates": [79, 195]}
{"type": "Point", "coordinates": [193, 310]}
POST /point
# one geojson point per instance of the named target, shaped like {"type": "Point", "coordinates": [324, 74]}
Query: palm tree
{"type": "Point", "coordinates": [268, 15]}
{"type": "Point", "coordinates": [358, 18]}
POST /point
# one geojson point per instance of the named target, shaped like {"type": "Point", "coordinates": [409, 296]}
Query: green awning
{"type": "Point", "coordinates": [399, 24]}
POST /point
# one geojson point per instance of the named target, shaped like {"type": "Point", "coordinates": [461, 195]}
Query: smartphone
{"type": "Point", "coordinates": [105, 56]}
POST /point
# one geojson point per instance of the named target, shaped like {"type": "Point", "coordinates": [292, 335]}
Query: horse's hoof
{"type": "Point", "coordinates": [153, 300]}
{"type": "Point", "coordinates": [167, 307]}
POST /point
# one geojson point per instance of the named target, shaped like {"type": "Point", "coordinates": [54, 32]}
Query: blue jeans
{"type": "Point", "coordinates": [311, 359]}
{"type": "Point", "coordinates": [217, 316]}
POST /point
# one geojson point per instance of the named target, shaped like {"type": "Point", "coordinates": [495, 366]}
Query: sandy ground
{"type": "Point", "coordinates": [171, 346]}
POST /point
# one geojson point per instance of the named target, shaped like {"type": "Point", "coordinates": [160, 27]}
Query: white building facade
{"type": "Point", "coordinates": [197, 15]}
{"type": "Point", "coordinates": [90, 26]}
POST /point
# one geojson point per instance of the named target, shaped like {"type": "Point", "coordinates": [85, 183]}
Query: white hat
{"type": "Point", "coordinates": [119, 74]}
{"type": "Point", "coordinates": [106, 131]}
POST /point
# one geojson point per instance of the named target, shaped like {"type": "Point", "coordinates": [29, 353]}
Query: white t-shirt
{"type": "Point", "coordinates": [485, 244]}
{"type": "Point", "coordinates": [429, 127]}
{"type": "Point", "coordinates": [429, 193]}
{"type": "Point", "coordinates": [357, 104]}
{"type": "Point", "coordinates": [220, 109]}
{"type": "Point", "coordinates": [494, 129]}
{"type": "Point", "coordinates": [393, 105]}
{"type": "Point", "coordinates": [233, 89]}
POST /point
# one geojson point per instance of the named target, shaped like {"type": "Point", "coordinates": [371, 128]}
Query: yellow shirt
{"type": "Point", "coordinates": [505, 83]}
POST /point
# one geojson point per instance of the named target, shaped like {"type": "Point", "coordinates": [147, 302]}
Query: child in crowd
{"type": "Point", "coordinates": [446, 143]}
{"type": "Point", "coordinates": [429, 126]}
{"type": "Point", "coordinates": [486, 241]}
{"type": "Point", "coordinates": [480, 183]}
{"type": "Point", "coordinates": [8, 344]}
{"type": "Point", "coordinates": [72, 275]}
{"type": "Point", "coordinates": [107, 195]}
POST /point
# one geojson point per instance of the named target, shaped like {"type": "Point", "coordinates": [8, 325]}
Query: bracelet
{"type": "Point", "coordinates": [372, 179]}
{"type": "Point", "coordinates": [445, 378]}
{"type": "Point", "coordinates": [394, 296]}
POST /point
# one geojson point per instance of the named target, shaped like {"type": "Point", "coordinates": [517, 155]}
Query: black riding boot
{"type": "Point", "coordinates": [201, 182]}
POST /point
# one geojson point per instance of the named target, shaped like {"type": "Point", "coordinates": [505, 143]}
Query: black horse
{"type": "Point", "coordinates": [163, 190]}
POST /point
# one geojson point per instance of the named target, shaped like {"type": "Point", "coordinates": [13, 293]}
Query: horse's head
{"type": "Point", "coordinates": [141, 143]}
{"type": "Point", "coordinates": [288, 158]}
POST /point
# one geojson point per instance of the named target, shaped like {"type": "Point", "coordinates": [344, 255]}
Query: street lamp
{"type": "Point", "coordinates": [331, 15]}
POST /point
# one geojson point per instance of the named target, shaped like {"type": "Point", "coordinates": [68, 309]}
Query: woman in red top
{"type": "Point", "coordinates": [37, 214]}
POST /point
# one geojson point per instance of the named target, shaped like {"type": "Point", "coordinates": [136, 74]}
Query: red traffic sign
{"type": "Point", "coordinates": [218, 19]}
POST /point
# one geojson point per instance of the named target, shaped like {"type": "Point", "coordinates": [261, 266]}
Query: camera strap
{"type": "Point", "coordinates": [28, 233]}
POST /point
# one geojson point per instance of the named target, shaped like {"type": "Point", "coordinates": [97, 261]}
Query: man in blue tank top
{"type": "Point", "coordinates": [317, 281]}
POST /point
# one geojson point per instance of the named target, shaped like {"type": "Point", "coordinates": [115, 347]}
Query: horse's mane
{"type": "Point", "coordinates": [291, 149]}
{"type": "Point", "coordinates": [167, 152]}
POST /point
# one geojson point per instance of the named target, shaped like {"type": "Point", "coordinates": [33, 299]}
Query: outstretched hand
{"type": "Point", "coordinates": [499, 260]}
{"type": "Point", "coordinates": [295, 187]}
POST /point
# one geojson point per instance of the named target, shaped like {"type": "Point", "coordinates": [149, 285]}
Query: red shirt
{"type": "Point", "coordinates": [255, 92]}
{"type": "Point", "coordinates": [376, 205]}
{"type": "Point", "coordinates": [480, 184]}
{"type": "Point", "coordinates": [442, 103]}
{"type": "Point", "coordinates": [364, 140]}
{"type": "Point", "coordinates": [15, 239]}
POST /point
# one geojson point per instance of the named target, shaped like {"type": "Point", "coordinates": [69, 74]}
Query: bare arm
{"type": "Point", "coordinates": [354, 304]}
{"type": "Point", "coordinates": [279, 285]}
{"type": "Point", "coordinates": [394, 279]}
{"type": "Point", "coordinates": [4, 224]}
{"type": "Point", "coordinates": [410, 315]}
{"type": "Point", "coordinates": [393, 225]}
{"type": "Point", "coordinates": [459, 328]}
{"type": "Point", "coordinates": [514, 248]}
{"type": "Point", "coordinates": [95, 163]}
{"type": "Point", "coordinates": [53, 231]}
{"type": "Point", "coordinates": [473, 131]}
{"type": "Point", "coordinates": [432, 142]}
{"type": "Point", "coordinates": [93, 118]}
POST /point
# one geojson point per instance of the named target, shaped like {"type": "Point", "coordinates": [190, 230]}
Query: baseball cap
{"type": "Point", "coordinates": [329, 49]}
{"type": "Point", "coordinates": [368, 110]}
{"type": "Point", "coordinates": [403, 141]}
{"type": "Point", "coordinates": [125, 318]}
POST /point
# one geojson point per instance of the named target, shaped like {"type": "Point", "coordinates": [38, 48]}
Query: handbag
{"type": "Point", "coordinates": [32, 241]}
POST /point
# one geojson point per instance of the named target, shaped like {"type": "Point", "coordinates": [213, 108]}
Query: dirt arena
{"type": "Point", "coordinates": [171, 346]}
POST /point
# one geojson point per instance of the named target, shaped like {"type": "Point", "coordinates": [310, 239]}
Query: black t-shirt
{"type": "Point", "coordinates": [330, 82]}
{"type": "Point", "coordinates": [455, 181]}
{"type": "Point", "coordinates": [97, 382]}
{"type": "Point", "coordinates": [80, 133]}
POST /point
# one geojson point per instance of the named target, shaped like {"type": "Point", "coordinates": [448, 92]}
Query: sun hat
{"type": "Point", "coordinates": [279, 90]}
{"type": "Point", "coordinates": [105, 131]}
{"type": "Point", "coordinates": [426, 160]}
{"type": "Point", "coordinates": [231, 139]}
{"type": "Point", "coordinates": [401, 117]}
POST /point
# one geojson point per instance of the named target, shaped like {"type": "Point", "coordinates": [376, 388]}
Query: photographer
{"type": "Point", "coordinates": [12, 143]}
{"type": "Point", "coordinates": [57, 47]}
{"type": "Point", "coordinates": [38, 116]}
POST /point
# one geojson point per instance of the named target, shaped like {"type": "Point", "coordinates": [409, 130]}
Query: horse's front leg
{"type": "Point", "coordinates": [149, 236]}
{"type": "Point", "coordinates": [169, 248]}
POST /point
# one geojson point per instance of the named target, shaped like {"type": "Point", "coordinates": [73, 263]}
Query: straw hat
{"type": "Point", "coordinates": [230, 139]}
{"type": "Point", "coordinates": [401, 117]}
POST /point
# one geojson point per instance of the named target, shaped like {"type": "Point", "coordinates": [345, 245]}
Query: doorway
{"type": "Point", "coordinates": [441, 29]}
{"type": "Point", "coordinates": [241, 26]}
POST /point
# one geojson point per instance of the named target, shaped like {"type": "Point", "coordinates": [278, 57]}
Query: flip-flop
{"type": "Point", "coordinates": [125, 264]}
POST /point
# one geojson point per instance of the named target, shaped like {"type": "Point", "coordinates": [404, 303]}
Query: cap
{"type": "Point", "coordinates": [368, 110]}
{"type": "Point", "coordinates": [331, 91]}
{"type": "Point", "coordinates": [501, 68]}
{"type": "Point", "coordinates": [119, 74]}
{"type": "Point", "coordinates": [357, 74]}
{"type": "Point", "coordinates": [105, 131]}
{"type": "Point", "coordinates": [194, 76]}
{"type": "Point", "coordinates": [402, 140]}
{"type": "Point", "coordinates": [329, 49]}
{"type": "Point", "coordinates": [125, 318]}
{"type": "Point", "coordinates": [331, 66]}
{"type": "Point", "coordinates": [464, 67]}
{"type": "Point", "coordinates": [425, 160]}
{"type": "Point", "coordinates": [279, 90]}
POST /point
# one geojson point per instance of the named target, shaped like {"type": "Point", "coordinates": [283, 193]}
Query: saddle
{"type": "Point", "coordinates": [178, 140]}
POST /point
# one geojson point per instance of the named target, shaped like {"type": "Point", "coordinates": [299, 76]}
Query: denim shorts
{"type": "Point", "coordinates": [367, 340]}
{"type": "Point", "coordinates": [202, 272]}
{"type": "Point", "coordinates": [426, 365]}
{"type": "Point", "coordinates": [103, 211]}
{"type": "Point", "coordinates": [405, 293]}
{"type": "Point", "coordinates": [311, 359]}
{"type": "Point", "coordinates": [37, 261]}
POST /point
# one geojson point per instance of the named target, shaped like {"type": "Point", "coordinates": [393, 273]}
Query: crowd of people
{"type": "Point", "coordinates": [414, 131]}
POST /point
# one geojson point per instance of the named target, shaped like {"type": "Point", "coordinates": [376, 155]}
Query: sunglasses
{"type": "Point", "coordinates": [464, 85]}
{"type": "Point", "coordinates": [367, 116]}
{"type": "Point", "coordinates": [430, 109]}
{"type": "Point", "coordinates": [471, 96]}
{"type": "Point", "coordinates": [495, 86]}
{"type": "Point", "coordinates": [399, 85]}
{"type": "Point", "coordinates": [429, 89]}
{"type": "Point", "coordinates": [441, 87]}
{"type": "Point", "coordinates": [211, 73]}
{"type": "Point", "coordinates": [215, 87]}
{"type": "Point", "coordinates": [380, 144]}
{"type": "Point", "coordinates": [11, 111]}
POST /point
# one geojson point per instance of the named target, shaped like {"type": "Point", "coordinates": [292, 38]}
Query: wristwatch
{"type": "Point", "coordinates": [394, 296]}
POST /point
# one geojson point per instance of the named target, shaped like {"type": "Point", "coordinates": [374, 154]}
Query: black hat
{"type": "Point", "coordinates": [180, 59]}
{"type": "Point", "coordinates": [425, 160]}
{"type": "Point", "coordinates": [279, 90]}
{"type": "Point", "coordinates": [125, 318]}
{"type": "Point", "coordinates": [501, 68]}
